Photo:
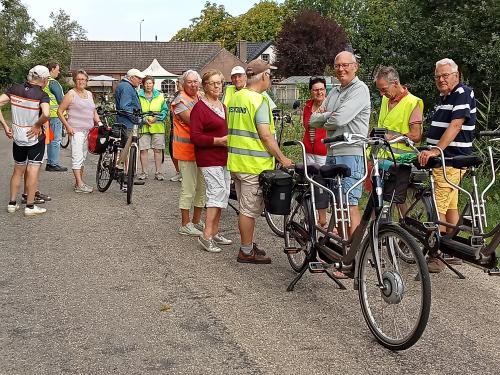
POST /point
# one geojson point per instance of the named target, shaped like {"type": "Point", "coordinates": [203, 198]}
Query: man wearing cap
{"type": "Point", "coordinates": [56, 94]}
{"type": "Point", "coordinates": [126, 97]}
{"type": "Point", "coordinates": [252, 149]}
{"type": "Point", "coordinates": [30, 110]}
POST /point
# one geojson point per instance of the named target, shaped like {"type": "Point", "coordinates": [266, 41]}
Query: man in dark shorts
{"type": "Point", "coordinates": [30, 110]}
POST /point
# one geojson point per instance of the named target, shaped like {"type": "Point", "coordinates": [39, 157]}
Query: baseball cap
{"type": "Point", "coordinates": [38, 72]}
{"type": "Point", "coordinates": [135, 73]}
{"type": "Point", "coordinates": [238, 70]}
{"type": "Point", "coordinates": [258, 66]}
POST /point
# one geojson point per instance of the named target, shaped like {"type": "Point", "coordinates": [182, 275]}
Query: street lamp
{"type": "Point", "coordinates": [140, 30]}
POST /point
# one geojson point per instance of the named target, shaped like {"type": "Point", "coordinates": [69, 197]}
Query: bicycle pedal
{"type": "Point", "coordinates": [139, 182]}
{"type": "Point", "coordinates": [316, 267]}
{"type": "Point", "coordinates": [292, 250]}
{"type": "Point", "coordinates": [430, 226]}
{"type": "Point", "coordinates": [477, 241]}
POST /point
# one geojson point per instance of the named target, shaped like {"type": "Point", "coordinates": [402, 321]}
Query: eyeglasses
{"type": "Point", "coordinates": [269, 74]}
{"type": "Point", "coordinates": [444, 75]}
{"type": "Point", "coordinates": [214, 83]}
{"type": "Point", "coordinates": [343, 65]}
{"type": "Point", "coordinates": [195, 82]}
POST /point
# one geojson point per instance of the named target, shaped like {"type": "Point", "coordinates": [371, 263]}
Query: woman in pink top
{"type": "Point", "coordinates": [82, 116]}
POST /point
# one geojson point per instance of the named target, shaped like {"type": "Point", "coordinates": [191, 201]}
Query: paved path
{"type": "Point", "coordinates": [99, 287]}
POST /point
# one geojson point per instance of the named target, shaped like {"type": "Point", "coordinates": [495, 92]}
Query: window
{"type": "Point", "coordinates": [265, 57]}
{"type": "Point", "coordinates": [168, 87]}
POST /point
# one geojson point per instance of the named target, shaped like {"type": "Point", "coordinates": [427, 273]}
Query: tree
{"type": "Point", "coordinates": [308, 43]}
{"type": "Point", "coordinates": [15, 29]}
{"type": "Point", "coordinates": [54, 42]}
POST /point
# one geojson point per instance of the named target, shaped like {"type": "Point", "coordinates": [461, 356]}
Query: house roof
{"type": "Point", "coordinates": [120, 56]}
{"type": "Point", "coordinates": [254, 49]}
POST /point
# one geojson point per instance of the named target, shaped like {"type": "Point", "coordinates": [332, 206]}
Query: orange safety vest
{"type": "Point", "coordinates": [183, 149]}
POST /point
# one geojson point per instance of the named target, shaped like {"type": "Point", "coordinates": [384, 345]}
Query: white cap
{"type": "Point", "coordinates": [135, 73]}
{"type": "Point", "coordinates": [238, 70]}
{"type": "Point", "coordinates": [38, 72]}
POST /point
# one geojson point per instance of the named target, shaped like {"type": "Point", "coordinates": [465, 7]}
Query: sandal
{"type": "Point", "coordinates": [339, 275]}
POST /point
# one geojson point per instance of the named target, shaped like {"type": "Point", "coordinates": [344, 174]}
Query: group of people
{"type": "Point", "coordinates": [226, 134]}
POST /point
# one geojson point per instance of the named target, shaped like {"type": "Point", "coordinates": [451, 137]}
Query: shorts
{"type": "Point", "coordinates": [217, 183]}
{"type": "Point", "coordinates": [356, 163]}
{"type": "Point", "coordinates": [249, 194]}
{"type": "Point", "coordinates": [24, 155]}
{"type": "Point", "coordinates": [446, 195]}
{"type": "Point", "coordinates": [79, 148]}
{"type": "Point", "coordinates": [148, 141]}
{"type": "Point", "coordinates": [315, 159]}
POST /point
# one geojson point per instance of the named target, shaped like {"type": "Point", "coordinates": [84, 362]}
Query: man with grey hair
{"type": "Point", "coordinates": [252, 149]}
{"type": "Point", "coordinates": [30, 110]}
{"type": "Point", "coordinates": [452, 130]}
{"type": "Point", "coordinates": [346, 109]}
{"type": "Point", "coordinates": [400, 112]}
{"type": "Point", "coordinates": [192, 184]}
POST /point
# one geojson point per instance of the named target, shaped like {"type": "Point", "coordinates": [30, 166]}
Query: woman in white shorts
{"type": "Point", "coordinates": [82, 115]}
{"type": "Point", "coordinates": [153, 132]}
{"type": "Point", "coordinates": [209, 136]}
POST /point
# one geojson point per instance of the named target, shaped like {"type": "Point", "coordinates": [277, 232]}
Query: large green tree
{"type": "Point", "coordinates": [16, 26]}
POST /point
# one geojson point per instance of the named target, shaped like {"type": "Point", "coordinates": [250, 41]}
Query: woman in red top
{"type": "Point", "coordinates": [315, 149]}
{"type": "Point", "coordinates": [209, 136]}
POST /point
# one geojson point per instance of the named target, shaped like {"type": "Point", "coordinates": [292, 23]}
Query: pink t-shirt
{"type": "Point", "coordinates": [81, 112]}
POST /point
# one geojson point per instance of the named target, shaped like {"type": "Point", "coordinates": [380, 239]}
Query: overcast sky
{"type": "Point", "coordinates": [120, 19]}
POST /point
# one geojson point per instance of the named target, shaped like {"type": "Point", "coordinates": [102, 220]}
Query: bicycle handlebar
{"type": "Point", "coordinates": [337, 138]}
{"type": "Point", "coordinates": [489, 133]}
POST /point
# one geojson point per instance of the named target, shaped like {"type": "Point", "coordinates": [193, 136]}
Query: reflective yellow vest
{"type": "Point", "coordinates": [228, 94]}
{"type": "Point", "coordinates": [246, 152]}
{"type": "Point", "coordinates": [155, 105]}
{"type": "Point", "coordinates": [397, 121]}
{"type": "Point", "coordinates": [53, 101]}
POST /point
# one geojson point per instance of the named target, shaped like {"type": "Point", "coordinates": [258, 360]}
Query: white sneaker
{"type": "Point", "coordinates": [209, 245]}
{"type": "Point", "coordinates": [142, 176]}
{"type": "Point", "coordinates": [34, 211]}
{"type": "Point", "coordinates": [200, 226]}
{"type": "Point", "coordinates": [189, 230]}
{"type": "Point", "coordinates": [11, 208]}
{"type": "Point", "coordinates": [176, 177]}
{"type": "Point", "coordinates": [84, 189]}
{"type": "Point", "coordinates": [219, 239]}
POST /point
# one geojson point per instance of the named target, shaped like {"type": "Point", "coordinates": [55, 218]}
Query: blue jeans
{"type": "Point", "coordinates": [54, 146]}
{"type": "Point", "coordinates": [356, 164]}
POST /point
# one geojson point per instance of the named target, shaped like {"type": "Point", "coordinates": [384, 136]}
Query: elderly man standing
{"type": "Point", "coordinates": [56, 94]}
{"type": "Point", "coordinates": [346, 109]}
{"type": "Point", "coordinates": [400, 112]}
{"type": "Point", "coordinates": [452, 130]}
{"type": "Point", "coordinates": [30, 110]}
{"type": "Point", "coordinates": [127, 98]}
{"type": "Point", "coordinates": [193, 183]}
{"type": "Point", "coordinates": [251, 150]}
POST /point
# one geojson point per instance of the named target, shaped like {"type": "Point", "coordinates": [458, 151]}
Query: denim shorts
{"type": "Point", "coordinates": [356, 164]}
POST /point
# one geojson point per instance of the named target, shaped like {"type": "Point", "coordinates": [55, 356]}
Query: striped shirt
{"type": "Point", "coordinates": [459, 104]}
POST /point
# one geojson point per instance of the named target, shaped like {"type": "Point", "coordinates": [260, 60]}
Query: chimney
{"type": "Point", "coordinates": [156, 38]}
{"type": "Point", "coordinates": [242, 50]}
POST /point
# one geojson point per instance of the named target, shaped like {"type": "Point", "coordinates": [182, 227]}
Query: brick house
{"type": "Point", "coordinates": [115, 58]}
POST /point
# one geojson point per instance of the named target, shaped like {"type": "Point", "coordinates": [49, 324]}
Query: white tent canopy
{"type": "Point", "coordinates": [102, 78]}
{"type": "Point", "coordinates": [157, 71]}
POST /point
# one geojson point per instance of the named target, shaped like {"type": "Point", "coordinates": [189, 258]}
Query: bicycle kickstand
{"type": "Point", "coordinates": [454, 270]}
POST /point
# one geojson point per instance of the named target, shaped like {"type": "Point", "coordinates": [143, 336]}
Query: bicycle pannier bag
{"type": "Point", "coordinates": [277, 191]}
{"type": "Point", "coordinates": [396, 181]}
{"type": "Point", "coordinates": [98, 139]}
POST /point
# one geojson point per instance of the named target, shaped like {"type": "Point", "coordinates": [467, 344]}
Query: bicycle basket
{"type": "Point", "coordinates": [98, 139]}
{"type": "Point", "coordinates": [396, 182]}
{"type": "Point", "coordinates": [277, 191]}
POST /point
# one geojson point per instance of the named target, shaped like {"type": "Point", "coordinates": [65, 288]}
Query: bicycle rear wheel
{"type": "Point", "coordinates": [297, 228]}
{"type": "Point", "coordinates": [105, 172]}
{"type": "Point", "coordinates": [275, 222]}
{"type": "Point", "coordinates": [131, 172]}
{"type": "Point", "coordinates": [396, 313]}
{"type": "Point", "coordinates": [64, 138]}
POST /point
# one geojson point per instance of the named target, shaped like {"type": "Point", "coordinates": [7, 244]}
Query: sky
{"type": "Point", "coordinates": [121, 19]}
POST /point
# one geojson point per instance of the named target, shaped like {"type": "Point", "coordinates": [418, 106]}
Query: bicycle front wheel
{"type": "Point", "coordinates": [131, 173]}
{"type": "Point", "coordinates": [297, 227]}
{"type": "Point", "coordinates": [397, 311]}
{"type": "Point", "coordinates": [64, 138]}
{"type": "Point", "coordinates": [105, 172]}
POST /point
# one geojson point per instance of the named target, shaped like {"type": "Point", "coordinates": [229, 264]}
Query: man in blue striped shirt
{"type": "Point", "coordinates": [452, 130]}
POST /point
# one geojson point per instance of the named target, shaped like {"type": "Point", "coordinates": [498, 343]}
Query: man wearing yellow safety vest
{"type": "Point", "coordinates": [56, 94]}
{"type": "Point", "coordinates": [400, 112]}
{"type": "Point", "coordinates": [251, 150]}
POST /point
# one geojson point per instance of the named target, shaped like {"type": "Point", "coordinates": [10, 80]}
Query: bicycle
{"type": "Point", "coordinates": [395, 295]}
{"type": "Point", "coordinates": [111, 162]}
{"type": "Point", "coordinates": [421, 218]}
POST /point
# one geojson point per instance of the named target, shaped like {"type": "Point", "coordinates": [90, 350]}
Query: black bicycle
{"type": "Point", "coordinates": [395, 295]}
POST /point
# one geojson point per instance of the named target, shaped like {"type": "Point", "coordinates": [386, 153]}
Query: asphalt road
{"type": "Point", "coordinates": [98, 287]}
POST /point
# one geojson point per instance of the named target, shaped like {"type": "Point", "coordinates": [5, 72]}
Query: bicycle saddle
{"type": "Point", "coordinates": [312, 169]}
{"type": "Point", "coordinates": [332, 171]}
